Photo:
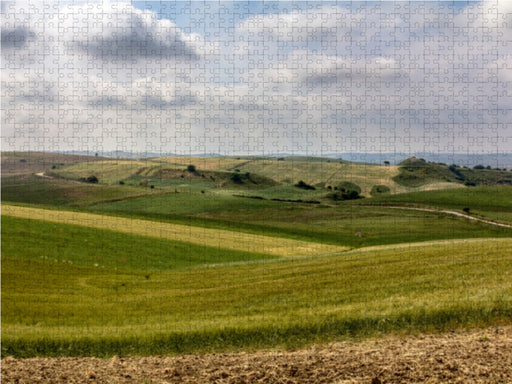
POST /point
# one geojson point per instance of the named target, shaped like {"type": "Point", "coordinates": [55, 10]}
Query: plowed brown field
{"type": "Point", "coordinates": [478, 356]}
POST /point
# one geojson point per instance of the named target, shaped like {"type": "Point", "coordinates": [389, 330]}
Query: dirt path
{"type": "Point", "coordinates": [481, 356]}
{"type": "Point", "coordinates": [455, 213]}
{"type": "Point", "coordinates": [448, 212]}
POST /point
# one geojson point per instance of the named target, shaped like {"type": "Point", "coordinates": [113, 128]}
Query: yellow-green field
{"type": "Point", "coordinates": [108, 171]}
{"type": "Point", "coordinates": [203, 236]}
{"type": "Point", "coordinates": [60, 309]}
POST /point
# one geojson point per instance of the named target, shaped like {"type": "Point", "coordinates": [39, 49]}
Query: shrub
{"type": "Point", "coordinates": [236, 178]}
{"type": "Point", "coordinates": [92, 179]}
{"type": "Point", "coordinates": [349, 186]}
{"type": "Point", "coordinates": [301, 184]}
{"type": "Point", "coordinates": [479, 166]}
{"type": "Point", "coordinates": [379, 190]}
{"type": "Point", "coordinates": [191, 168]}
{"type": "Point", "coordinates": [345, 191]}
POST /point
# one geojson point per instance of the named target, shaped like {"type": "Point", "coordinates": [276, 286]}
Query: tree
{"type": "Point", "coordinates": [386, 163]}
{"type": "Point", "coordinates": [345, 191]}
{"type": "Point", "coordinates": [379, 190]}
{"type": "Point", "coordinates": [92, 179]}
{"type": "Point", "coordinates": [301, 184]}
{"type": "Point", "coordinates": [236, 178]}
{"type": "Point", "coordinates": [191, 168]}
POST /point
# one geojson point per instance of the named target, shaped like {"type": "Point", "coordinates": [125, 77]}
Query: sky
{"type": "Point", "coordinates": [257, 78]}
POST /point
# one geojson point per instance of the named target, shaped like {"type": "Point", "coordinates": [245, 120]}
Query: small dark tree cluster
{"type": "Point", "coordinates": [345, 191]}
{"type": "Point", "coordinates": [236, 178]}
{"type": "Point", "coordinates": [91, 179]}
{"type": "Point", "coordinates": [301, 184]}
{"type": "Point", "coordinates": [379, 190]}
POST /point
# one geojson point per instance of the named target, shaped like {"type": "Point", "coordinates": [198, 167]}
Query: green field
{"type": "Point", "coordinates": [179, 261]}
{"type": "Point", "coordinates": [493, 202]}
{"type": "Point", "coordinates": [53, 307]}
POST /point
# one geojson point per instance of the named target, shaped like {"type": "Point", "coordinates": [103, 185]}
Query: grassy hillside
{"type": "Point", "coordinates": [493, 202]}
{"type": "Point", "coordinates": [23, 163]}
{"type": "Point", "coordinates": [108, 171]}
{"type": "Point", "coordinates": [60, 243]}
{"type": "Point", "coordinates": [55, 308]}
{"type": "Point", "coordinates": [415, 172]}
{"type": "Point", "coordinates": [55, 192]}
{"type": "Point", "coordinates": [178, 255]}
{"type": "Point", "coordinates": [194, 235]}
{"type": "Point", "coordinates": [271, 177]}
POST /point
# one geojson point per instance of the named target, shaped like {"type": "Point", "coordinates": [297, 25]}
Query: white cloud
{"type": "Point", "coordinates": [121, 32]}
{"type": "Point", "coordinates": [322, 77]}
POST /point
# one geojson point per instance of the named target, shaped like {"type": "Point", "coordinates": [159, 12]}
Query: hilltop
{"type": "Point", "coordinates": [286, 178]}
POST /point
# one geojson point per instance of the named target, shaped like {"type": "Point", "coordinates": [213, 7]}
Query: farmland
{"type": "Point", "coordinates": [155, 256]}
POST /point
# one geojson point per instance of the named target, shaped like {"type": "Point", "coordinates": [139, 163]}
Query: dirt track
{"type": "Point", "coordinates": [482, 356]}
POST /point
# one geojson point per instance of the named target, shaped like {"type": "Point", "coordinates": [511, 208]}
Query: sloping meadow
{"type": "Point", "coordinates": [93, 290]}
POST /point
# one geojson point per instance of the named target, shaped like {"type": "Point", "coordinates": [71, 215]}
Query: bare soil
{"type": "Point", "coordinates": [478, 356]}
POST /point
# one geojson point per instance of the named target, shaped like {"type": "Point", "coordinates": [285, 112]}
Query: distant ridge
{"type": "Point", "coordinates": [500, 160]}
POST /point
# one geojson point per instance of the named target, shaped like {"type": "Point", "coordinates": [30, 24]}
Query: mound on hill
{"type": "Point", "coordinates": [414, 172]}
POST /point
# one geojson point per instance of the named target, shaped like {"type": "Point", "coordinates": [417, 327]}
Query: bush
{"type": "Point", "coordinates": [301, 184]}
{"type": "Point", "coordinates": [92, 179]}
{"type": "Point", "coordinates": [379, 190]}
{"type": "Point", "coordinates": [479, 166]}
{"type": "Point", "coordinates": [236, 178]}
{"type": "Point", "coordinates": [191, 168]}
{"type": "Point", "coordinates": [349, 186]}
{"type": "Point", "coordinates": [345, 191]}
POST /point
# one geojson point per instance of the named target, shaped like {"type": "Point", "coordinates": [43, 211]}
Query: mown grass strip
{"type": "Point", "coordinates": [195, 235]}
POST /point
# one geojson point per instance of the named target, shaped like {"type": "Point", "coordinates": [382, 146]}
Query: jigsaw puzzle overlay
{"type": "Point", "coordinates": [187, 177]}
{"type": "Point", "coordinates": [255, 77]}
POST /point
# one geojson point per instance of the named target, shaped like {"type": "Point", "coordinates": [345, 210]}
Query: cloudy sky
{"type": "Point", "coordinates": [257, 77]}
